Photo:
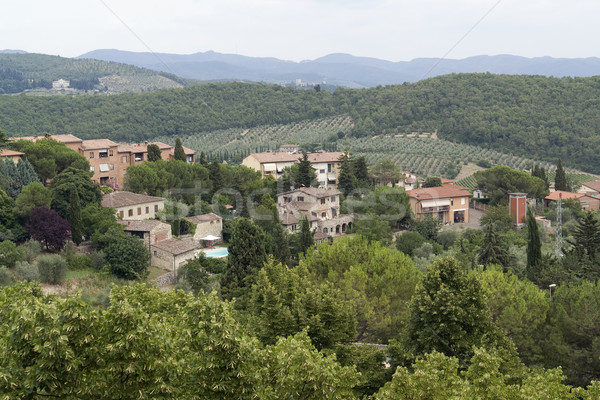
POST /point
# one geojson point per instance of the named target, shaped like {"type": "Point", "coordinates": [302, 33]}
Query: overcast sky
{"type": "Point", "coordinates": [305, 29]}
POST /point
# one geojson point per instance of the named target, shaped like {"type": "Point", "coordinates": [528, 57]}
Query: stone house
{"type": "Point", "coordinates": [133, 206]}
{"type": "Point", "coordinates": [206, 225]}
{"type": "Point", "coordinates": [150, 231]}
{"type": "Point", "coordinates": [172, 253]}
{"type": "Point", "coordinates": [448, 202]}
{"type": "Point", "coordinates": [320, 206]}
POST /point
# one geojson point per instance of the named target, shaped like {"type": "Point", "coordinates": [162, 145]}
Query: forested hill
{"type": "Point", "coordinates": [540, 117]}
{"type": "Point", "coordinates": [20, 72]}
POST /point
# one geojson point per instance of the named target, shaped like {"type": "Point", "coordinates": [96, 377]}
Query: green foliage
{"type": "Point", "coordinates": [305, 236]}
{"type": "Point", "coordinates": [14, 176]}
{"type": "Point", "coordinates": [432, 181]}
{"type": "Point", "coordinates": [493, 250]}
{"type": "Point", "coordinates": [72, 179]}
{"type": "Point", "coordinates": [10, 253]}
{"type": "Point", "coordinates": [304, 172]}
{"type": "Point", "coordinates": [74, 217]}
{"type": "Point", "coordinates": [154, 153]}
{"type": "Point", "coordinates": [428, 226]}
{"type": "Point", "coordinates": [370, 362]}
{"type": "Point", "coordinates": [448, 312]}
{"type": "Point", "coordinates": [32, 196]}
{"type": "Point", "coordinates": [26, 271]}
{"type": "Point", "coordinates": [52, 268]}
{"type": "Point", "coordinates": [373, 228]}
{"type": "Point", "coordinates": [49, 157]}
{"type": "Point", "coordinates": [499, 181]}
{"type": "Point", "coordinates": [179, 153]}
{"type": "Point", "coordinates": [194, 273]}
{"type": "Point", "coordinates": [379, 282]}
{"type": "Point", "coordinates": [6, 277]}
{"type": "Point", "coordinates": [517, 307]}
{"type": "Point", "coordinates": [246, 257]}
{"type": "Point", "coordinates": [447, 238]}
{"type": "Point", "coordinates": [498, 216]}
{"type": "Point", "coordinates": [408, 241]}
{"type": "Point", "coordinates": [7, 218]}
{"type": "Point", "coordinates": [560, 179]}
{"type": "Point", "coordinates": [534, 247]}
{"type": "Point", "coordinates": [128, 257]}
{"type": "Point", "coordinates": [31, 249]}
{"type": "Point", "coordinates": [586, 244]}
{"type": "Point", "coordinates": [285, 301]}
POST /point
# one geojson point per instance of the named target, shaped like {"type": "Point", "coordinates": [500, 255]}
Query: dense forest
{"type": "Point", "coordinates": [543, 118]}
{"type": "Point", "coordinates": [19, 72]}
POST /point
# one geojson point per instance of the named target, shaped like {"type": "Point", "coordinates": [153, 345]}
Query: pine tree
{"type": "Point", "coordinates": [281, 241]}
{"type": "Point", "coordinates": [534, 247]}
{"type": "Point", "coordinates": [361, 171]}
{"type": "Point", "coordinates": [214, 174]}
{"type": "Point", "coordinates": [493, 250]}
{"type": "Point", "coordinates": [74, 219]}
{"type": "Point", "coordinates": [202, 160]}
{"type": "Point", "coordinates": [304, 176]}
{"type": "Point", "coordinates": [587, 236]}
{"type": "Point", "coordinates": [560, 180]}
{"type": "Point", "coordinates": [179, 152]}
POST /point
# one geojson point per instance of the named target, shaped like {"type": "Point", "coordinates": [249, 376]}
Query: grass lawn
{"type": "Point", "coordinates": [80, 273]}
{"type": "Point", "coordinates": [155, 273]}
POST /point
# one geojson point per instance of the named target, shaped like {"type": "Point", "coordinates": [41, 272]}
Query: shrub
{"type": "Point", "coordinates": [447, 238]}
{"type": "Point", "coordinates": [10, 253]}
{"type": "Point", "coordinates": [31, 249]}
{"type": "Point", "coordinates": [27, 272]}
{"type": "Point", "coordinates": [79, 261]}
{"type": "Point", "coordinates": [424, 251]}
{"type": "Point", "coordinates": [52, 268]}
{"type": "Point", "coordinates": [409, 241]}
{"type": "Point", "coordinates": [97, 260]}
{"type": "Point", "coordinates": [6, 277]}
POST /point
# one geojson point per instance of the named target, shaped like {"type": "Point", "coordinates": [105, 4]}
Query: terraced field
{"type": "Point", "coordinates": [424, 155]}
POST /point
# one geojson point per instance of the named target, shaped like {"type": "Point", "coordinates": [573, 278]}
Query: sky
{"type": "Point", "coordinates": [306, 29]}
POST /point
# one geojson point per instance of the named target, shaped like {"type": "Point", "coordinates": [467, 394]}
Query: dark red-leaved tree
{"type": "Point", "coordinates": [46, 226]}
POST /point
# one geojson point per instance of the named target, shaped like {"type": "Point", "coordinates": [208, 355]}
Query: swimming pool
{"type": "Point", "coordinates": [217, 253]}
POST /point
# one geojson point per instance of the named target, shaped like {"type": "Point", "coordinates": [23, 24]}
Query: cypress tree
{"type": "Point", "coordinates": [202, 160]}
{"type": "Point", "coordinates": [154, 152]}
{"type": "Point", "coordinates": [306, 236]}
{"type": "Point", "coordinates": [534, 247]}
{"type": "Point", "coordinates": [304, 171]}
{"type": "Point", "coordinates": [74, 215]}
{"type": "Point", "coordinates": [560, 181]}
{"type": "Point", "coordinates": [214, 174]}
{"type": "Point", "coordinates": [179, 152]}
{"type": "Point", "coordinates": [493, 250]}
{"type": "Point", "coordinates": [346, 180]}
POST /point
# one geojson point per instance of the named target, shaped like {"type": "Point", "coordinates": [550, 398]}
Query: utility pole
{"type": "Point", "coordinates": [559, 238]}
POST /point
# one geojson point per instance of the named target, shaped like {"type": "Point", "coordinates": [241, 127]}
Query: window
{"type": "Point", "coordinates": [91, 154]}
{"type": "Point", "coordinates": [155, 207]}
{"type": "Point", "coordinates": [300, 198]}
{"type": "Point", "coordinates": [451, 202]}
{"type": "Point", "coordinates": [139, 210]}
{"type": "Point", "coordinates": [332, 199]}
{"type": "Point", "coordinates": [103, 154]}
{"type": "Point", "coordinates": [155, 252]}
{"type": "Point", "coordinates": [323, 215]}
{"type": "Point", "coordinates": [139, 157]}
{"type": "Point", "coordinates": [121, 214]}
{"type": "Point", "coordinates": [112, 166]}
{"type": "Point", "coordinates": [124, 159]}
{"type": "Point", "coordinates": [131, 212]}
{"type": "Point", "coordinates": [463, 201]}
{"type": "Point", "coordinates": [91, 169]}
{"type": "Point", "coordinates": [321, 171]}
{"type": "Point", "coordinates": [323, 201]}
{"type": "Point", "coordinates": [329, 168]}
{"type": "Point", "coordinates": [147, 210]}
{"type": "Point", "coordinates": [110, 153]}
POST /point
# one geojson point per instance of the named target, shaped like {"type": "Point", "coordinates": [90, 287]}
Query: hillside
{"type": "Point", "coordinates": [26, 72]}
{"type": "Point", "coordinates": [536, 117]}
{"type": "Point", "coordinates": [342, 69]}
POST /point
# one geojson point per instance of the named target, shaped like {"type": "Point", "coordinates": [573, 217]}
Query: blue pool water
{"type": "Point", "coordinates": [217, 253]}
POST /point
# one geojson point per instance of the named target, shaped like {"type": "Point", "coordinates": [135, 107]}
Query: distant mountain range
{"type": "Point", "coordinates": [342, 69]}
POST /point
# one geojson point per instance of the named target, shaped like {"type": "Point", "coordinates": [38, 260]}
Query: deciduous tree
{"type": "Point", "coordinates": [48, 227]}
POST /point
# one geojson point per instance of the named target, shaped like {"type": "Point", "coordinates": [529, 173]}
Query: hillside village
{"type": "Point", "coordinates": [195, 273]}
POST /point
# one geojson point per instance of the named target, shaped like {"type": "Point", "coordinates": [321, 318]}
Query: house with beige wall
{"type": "Point", "coordinates": [173, 253]}
{"type": "Point", "coordinates": [12, 155]}
{"type": "Point", "coordinates": [448, 202]}
{"type": "Point", "coordinates": [206, 225]}
{"type": "Point", "coordinates": [133, 206]}
{"type": "Point", "coordinates": [150, 231]}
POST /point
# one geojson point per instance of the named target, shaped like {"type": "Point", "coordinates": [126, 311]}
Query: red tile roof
{"type": "Point", "coordinates": [565, 195]}
{"type": "Point", "coordinates": [58, 138]}
{"type": "Point", "coordinates": [10, 153]}
{"type": "Point", "coordinates": [97, 144]}
{"type": "Point", "coordinates": [595, 185]}
{"type": "Point", "coordinates": [441, 192]}
{"type": "Point", "coordinates": [123, 199]}
{"type": "Point", "coordinates": [198, 219]}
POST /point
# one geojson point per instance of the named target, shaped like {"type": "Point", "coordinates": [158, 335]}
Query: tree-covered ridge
{"type": "Point", "coordinates": [542, 118]}
{"type": "Point", "coordinates": [19, 72]}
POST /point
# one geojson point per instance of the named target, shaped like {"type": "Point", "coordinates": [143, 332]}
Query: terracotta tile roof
{"type": "Point", "coordinates": [198, 219]}
{"type": "Point", "coordinates": [595, 185]}
{"type": "Point", "coordinates": [123, 199]}
{"type": "Point", "coordinates": [275, 156]}
{"type": "Point", "coordinates": [316, 192]}
{"type": "Point", "coordinates": [10, 153]}
{"type": "Point", "coordinates": [441, 192]}
{"type": "Point", "coordinates": [320, 235]}
{"type": "Point", "coordinates": [288, 218]}
{"type": "Point", "coordinates": [565, 195]}
{"type": "Point", "coordinates": [176, 246]}
{"type": "Point", "coordinates": [142, 226]}
{"type": "Point", "coordinates": [326, 156]}
{"type": "Point", "coordinates": [97, 144]}
{"type": "Point", "coordinates": [58, 138]}
{"type": "Point", "coordinates": [186, 150]}
{"type": "Point", "coordinates": [302, 205]}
